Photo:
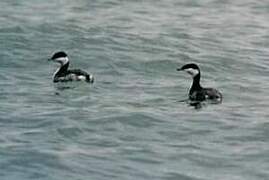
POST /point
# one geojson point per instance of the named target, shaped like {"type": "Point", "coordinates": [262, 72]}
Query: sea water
{"type": "Point", "coordinates": [131, 123]}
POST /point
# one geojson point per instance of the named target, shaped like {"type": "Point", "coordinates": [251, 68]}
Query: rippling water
{"type": "Point", "coordinates": [130, 124]}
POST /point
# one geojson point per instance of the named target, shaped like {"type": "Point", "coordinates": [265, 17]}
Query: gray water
{"type": "Point", "coordinates": [131, 124]}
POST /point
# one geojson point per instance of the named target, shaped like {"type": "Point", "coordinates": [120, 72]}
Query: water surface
{"type": "Point", "coordinates": [130, 124]}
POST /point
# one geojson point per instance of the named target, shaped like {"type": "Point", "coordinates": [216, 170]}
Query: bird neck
{"type": "Point", "coordinates": [62, 69]}
{"type": "Point", "coordinates": [196, 84]}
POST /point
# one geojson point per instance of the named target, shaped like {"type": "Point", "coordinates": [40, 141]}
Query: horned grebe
{"type": "Point", "coordinates": [197, 92]}
{"type": "Point", "coordinates": [63, 74]}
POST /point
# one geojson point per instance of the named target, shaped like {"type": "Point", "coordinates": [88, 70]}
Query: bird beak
{"type": "Point", "coordinates": [179, 69]}
{"type": "Point", "coordinates": [49, 59]}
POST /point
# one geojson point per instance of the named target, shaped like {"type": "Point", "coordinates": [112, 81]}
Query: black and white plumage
{"type": "Point", "coordinates": [63, 74]}
{"type": "Point", "coordinates": [197, 92]}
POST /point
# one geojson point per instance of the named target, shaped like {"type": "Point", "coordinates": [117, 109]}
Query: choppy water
{"type": "Point", "coordinates": [130, 123]}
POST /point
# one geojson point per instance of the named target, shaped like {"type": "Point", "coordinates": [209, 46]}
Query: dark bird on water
{"type": "Point", "coordinates": [198, 93]}
{"type": "Point", "coordinates": [63, 74]}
